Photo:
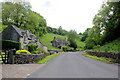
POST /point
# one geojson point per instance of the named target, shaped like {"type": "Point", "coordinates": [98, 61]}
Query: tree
{"type": "Point", "coordinates": [73, 44]}
{"type": "Point", "coordinates": [72, 36]}
{"type": "Point", "coordinates": [85, 34]}
{"type": "Point", "coordinates": [23, 17]}
{"type": "Point", "coordinates": [106, 25]}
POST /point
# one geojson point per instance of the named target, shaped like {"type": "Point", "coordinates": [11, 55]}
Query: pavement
{"type": "Point", "coordinates": [75, 65]}
{"type": "Point", "coordinates": [18, 70]}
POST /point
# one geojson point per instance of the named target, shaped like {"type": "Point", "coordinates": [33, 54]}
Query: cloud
{"type": "Point", "coordinates": [70, 14]}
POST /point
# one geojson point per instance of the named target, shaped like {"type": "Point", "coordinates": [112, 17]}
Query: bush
{"type": "Point", "coordinates": [23, 51]}
{"type": "Point", "coordinates": [73, 44]}
{"type": "Point", "coordinates": [64, 48]}
{"type": "Point", "coordinates": [32, 47]}
{"type": "Point", "coordinates": [96, 46]}
{"type": "Point", "coordinates": [80, 49]}
{"type": "Point", "coordinates": [40, 50]}
{"type": "Point", "coordinates": [8, 44]}
{"type": "Point", "coordinates": [70, 48]}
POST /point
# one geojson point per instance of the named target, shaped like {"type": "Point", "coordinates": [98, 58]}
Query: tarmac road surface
{"type": "Point", "coordinates": [75, 65]}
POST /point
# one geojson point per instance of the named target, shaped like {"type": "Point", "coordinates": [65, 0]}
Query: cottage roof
{"type": "Point", "coordinates": [30, 36]}
{"type": "Point", "coordinates": [19, 31]}
{"type": "Point", "coordinates": [61, 41]}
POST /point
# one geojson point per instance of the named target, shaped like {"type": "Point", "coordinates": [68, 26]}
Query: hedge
{"type": "Point", "coordinates": [8, 44]}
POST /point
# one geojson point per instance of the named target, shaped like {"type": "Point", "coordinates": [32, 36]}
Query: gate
{"type": "Point", "coordinates": [6, 56]}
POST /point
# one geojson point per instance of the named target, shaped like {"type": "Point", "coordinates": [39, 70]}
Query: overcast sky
{"type": "Point", "coordinates": [70, 14]}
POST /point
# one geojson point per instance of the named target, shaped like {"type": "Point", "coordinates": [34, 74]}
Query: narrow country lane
{"type": "Point", "coordinates": [75, 65]}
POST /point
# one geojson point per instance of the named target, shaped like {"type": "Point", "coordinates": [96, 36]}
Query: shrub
{"type": "Point", "coordinates": [40, 50]}
{"type": "Point", "coordinates": [73, 44]}
{"type": "Point", "coordinates": [80, 49]}
{"type": "Point", "coordinates": [70, 48]}
{"type": "Point", "coordinates": [8, 44]}
{"type": "Point", "coordinates": [64, 48]}
{"type": "Point", "coordinates": [96, 46]}
{"type": "Point", "coordinates": [23, 51]}
{"type": "Point", "coordinates": [32, 47]}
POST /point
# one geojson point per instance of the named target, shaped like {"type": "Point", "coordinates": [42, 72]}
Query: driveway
{"type": "Point", "coordinates": [75, 65]}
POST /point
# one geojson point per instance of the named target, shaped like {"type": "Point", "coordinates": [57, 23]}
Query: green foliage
{"type": "Point", "coordinates": [80, 49]}
{"type": "Point", "coordinates": [106, 60]}
{"type": "Point", "coordinates": [106, 25]}
{"type": "Point", "coordinates": [47, 58]}
{"type": "Point", "coordinates": [113, 46]}
{"type": "Point", "coordinates": [47, 38]}
{"type": "Point", "coordinates": [85, 34]}
{"type": "Point", "coordinates": [72, 37]}
{"type": "Point", "coordinates": [40, 50]}
{"type": "Point", "coordinates": [32, 47]}
{"type": "Point", "coordinates": [58, 31]}
{"type": "Point", "coordinates": [64, 48]}
{"type": "Point", "coordinates": [73, 44]}
{"type": "Point", "coordinates": [8, 44]}
{"type": "Point", "coordinates": [80, 44]}
{"type": "Point", "coordinates": [23, 17]}
{"type": "Point", "coordinates": [2, 27]}
{"type": "Point", "coordinates": [23, 51]}
{"type": "Point", "coordinates": [70, 48]}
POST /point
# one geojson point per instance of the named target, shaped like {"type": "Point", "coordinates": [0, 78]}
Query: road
{"type": "Point", "coordinates": [75, 65]}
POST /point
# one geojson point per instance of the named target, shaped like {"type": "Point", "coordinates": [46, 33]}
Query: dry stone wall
{"type": "Point", "coordinates": [28, 58]}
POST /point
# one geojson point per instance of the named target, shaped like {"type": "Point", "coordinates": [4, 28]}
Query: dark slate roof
{"type": "Point", "coordinates": [61, 41]}
{"type": "Point", "coordinates": [19, 31]}
{"type": "Point", "coordinates": [31, 35]}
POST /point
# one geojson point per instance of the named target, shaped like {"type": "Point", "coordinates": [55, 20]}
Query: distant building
{"type": "Point", "coordinates": [59, 42]}
{"type": "Point", "coordinates": [23, 36]}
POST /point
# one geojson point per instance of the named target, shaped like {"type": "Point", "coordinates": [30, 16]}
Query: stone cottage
{"type": "Point", "coordinates": [23, 36]}
{"type": "Point", "coordinates": [59, 42]}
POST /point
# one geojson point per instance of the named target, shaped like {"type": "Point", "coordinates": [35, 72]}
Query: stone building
{"type": "Point", "coordinates": [59, 42]}
{"type": "Point", "coordinates": [23, 36]}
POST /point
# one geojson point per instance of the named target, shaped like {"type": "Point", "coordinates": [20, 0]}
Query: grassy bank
{"type": "Point", "coordinates": [106, 60]}
{"type": "Point", "coordinates": [47, 38]}
{"type": "Point", "coordinates": [47, 58]}
{"type": "Point", "coordinates": [113, 46]}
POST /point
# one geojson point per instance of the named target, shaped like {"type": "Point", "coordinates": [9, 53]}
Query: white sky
{"type": "Point", "coordinates": [70, 14]}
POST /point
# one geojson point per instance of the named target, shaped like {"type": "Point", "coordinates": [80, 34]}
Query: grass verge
{"type": "Point", "coordinates": [47, 58]}
{"type": "Point", "coordinates": [103, 59]}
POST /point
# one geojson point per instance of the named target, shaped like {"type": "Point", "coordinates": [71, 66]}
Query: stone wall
{"type": "Point", "coordinates": [105, 54]}
{"type": "Point", "coordinates": [28, 58]}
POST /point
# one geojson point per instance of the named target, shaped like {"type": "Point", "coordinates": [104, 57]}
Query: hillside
{"type": "Point", "coordinates": [113, 46]}
{"type": "Point", "coordinates": [47, 38]}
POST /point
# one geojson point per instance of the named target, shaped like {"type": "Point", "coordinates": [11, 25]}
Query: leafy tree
{"type": "Point", "coordinates": [85, 34]}
{"type": "Point", "coordinates": [73, 44]}
{"type": "Point", "coordinates": [72, 36]}
{"type": "Point", "coordinates": [23, 17]}
{"type": "Point", "coordinates": [80, 33]}
{"type": "Point", "coordinates": [106, 25]}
